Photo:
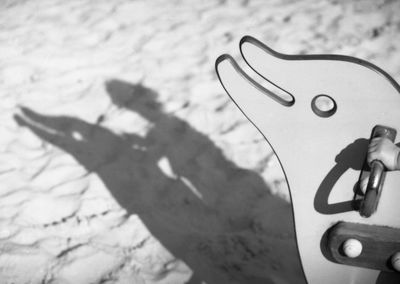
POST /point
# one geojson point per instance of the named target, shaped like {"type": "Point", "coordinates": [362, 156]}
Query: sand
{"type": "Point", "coordinates": [122, 158]}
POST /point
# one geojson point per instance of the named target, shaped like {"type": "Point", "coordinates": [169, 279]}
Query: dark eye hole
{"type": "Point", "coordinates": [323, 105]}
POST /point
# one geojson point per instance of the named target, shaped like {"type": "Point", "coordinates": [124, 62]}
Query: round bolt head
{"type": "Point", "coordinates": [352, 248]}
{"type": "Point", "coordinates": [396, 261]}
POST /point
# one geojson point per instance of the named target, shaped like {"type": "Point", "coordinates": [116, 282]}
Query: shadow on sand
{"type": "Point", "coordinates": [221, 220]}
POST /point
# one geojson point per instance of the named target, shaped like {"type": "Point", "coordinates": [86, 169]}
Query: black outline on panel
{"type": "Point", "coordinates": [264, 90]}
{"type": "Point", "coordinates": [333, 57]}
{"type": "Point", "coordinates": [218, 61]}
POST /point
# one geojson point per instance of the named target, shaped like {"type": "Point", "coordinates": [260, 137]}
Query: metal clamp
{"type": "Point", "coordinates": [377, 175]}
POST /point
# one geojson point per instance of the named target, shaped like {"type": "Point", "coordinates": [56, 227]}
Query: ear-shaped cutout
{"type": "Point", "coordinates": [235, 71]}
{"type": "Point", "coordinates": [251, 98]}
{"type": "Point", "coordinates": [298, 72]}
{"type": "Point", "coordinates": [279, 69]}
{"type": "Point", "coordinates": [253, 41]}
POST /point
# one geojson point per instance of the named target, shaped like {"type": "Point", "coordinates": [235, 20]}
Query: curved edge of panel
{"type": "Point", "coordinates": [217, 62]}
{"type": "Point", "coordinates": [332, 57]}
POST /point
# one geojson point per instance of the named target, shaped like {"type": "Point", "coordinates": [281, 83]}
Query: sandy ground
{"type": "Point", "coordinates": [123, 160]}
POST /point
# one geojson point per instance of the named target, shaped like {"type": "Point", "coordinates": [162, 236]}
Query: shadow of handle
{"type": "Point", "coordinates": [321, 204]}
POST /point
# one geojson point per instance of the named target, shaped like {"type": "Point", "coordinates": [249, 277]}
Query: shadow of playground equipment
{"type": "Point", "coordinates": [221, 220]}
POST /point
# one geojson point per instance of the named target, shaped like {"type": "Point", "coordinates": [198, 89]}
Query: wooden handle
{"type": "Point", "coordinates": [378, 246]}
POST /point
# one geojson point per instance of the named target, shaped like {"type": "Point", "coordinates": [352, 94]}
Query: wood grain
{"type": "Point", "coordinates": [379, 243]}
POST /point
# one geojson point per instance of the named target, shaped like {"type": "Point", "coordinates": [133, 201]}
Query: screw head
{"type": "Point", "coordinates": [352, 248]}
{"type": "Point", "coordinates": [396, 261]}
